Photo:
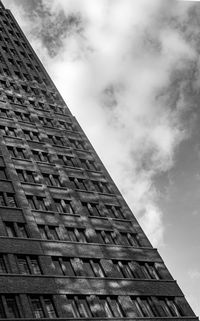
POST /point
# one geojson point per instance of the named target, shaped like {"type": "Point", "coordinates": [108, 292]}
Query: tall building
{"type": "Point", "coordinates": [70, 248]}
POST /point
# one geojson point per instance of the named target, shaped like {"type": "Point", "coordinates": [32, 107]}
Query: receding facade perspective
{"type": "Point", "coordinates": [70, 248]}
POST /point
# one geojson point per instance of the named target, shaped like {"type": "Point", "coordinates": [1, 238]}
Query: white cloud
{"type": "Point", "coordinates": [194, 274]}
{"type": "Point", "coordinates": [116, 77]}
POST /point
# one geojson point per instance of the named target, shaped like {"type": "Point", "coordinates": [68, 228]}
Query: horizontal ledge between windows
{"type": "Point", "coordinates": [26, 122]}
{"type": "Point", "coordinates": [113, 218]}
{"type": "Point", "coordinates": [21, 159]}
{"type": "Point", "coordinates": [95, 192]}
{"type": "Point", "coordinates": [5, 117]}
{"type": "Point", "coordinates": [55, 212]}
{"type": "Point", "coordinates": [188, 318]}
{"type": "Point", "coordinates": [34, 184]}
{"type": "Point", "coordinates": [11, 208]}
{"type": "Point", "coordinates": [84, 277]}
{"type": "Point", "coordinates": [5, 180]}
{"type": "Point", "coordinates": [13, 137]}
{"type": "Point", "coordinates": [34, 141]}
{"type": "Point", "coordinates": [85, 243]}
{"type": "Point", "coordinates": [59, 146]}
{"type": "Point", "coordinates": [46, 163]}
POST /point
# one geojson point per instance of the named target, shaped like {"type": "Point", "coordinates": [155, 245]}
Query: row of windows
{"type": "Point", "coordinates": [40, 306]}
{"type": "Point", "coordinates": [60, 123]}
{"type": "Point", "coordinates": [62, 206]}
{"type": "Point", "coordinates": [40, 203]}
{"type": "Point", "coordinates": [65, 206]}
{"type": "Point", "coordinates": [112, 306]}
{"type": "Point", "coordinates": [35, 136]}
{"type": "Point", "coordinates": [82, 306]}
{"type": "Point", "coordinates": [18, 152]}
{"type": "Point", "coordinates": [89, 185]}
{"type": "Point", "coordinates": [55, 180]}
{"type": "Point", "coordinates": [72, 234]}
{"type": "Point", "coordinates": [107, 268]}
{"type": "Point", "coordinates": [28, 264]}
{"type": "Point", "coordinates": [50, 232]}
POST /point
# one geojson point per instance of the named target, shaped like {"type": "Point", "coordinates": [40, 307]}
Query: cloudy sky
{"type": "Point", "coordinates": [130, 72]}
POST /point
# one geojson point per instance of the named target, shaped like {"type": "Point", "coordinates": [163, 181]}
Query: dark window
{"type": "Point", "coordinates": [92, 209]}
{"type": "Point", "coordinates": [67, 160]}
{"type": "Point", "coordinates": [15, 229]}
{"type": "Point", "coordinates": [28, 264]}
{"type": "Point", "coordinates": [26, 176]}
{"type": "Point", "coordinates": [12, 308]}
{"type": "Point", "coordinates": [17, 152]}
{"type": "Point", "coordinates": [41, 156]}
{"type": "Point", "coordinates": [114, 211]}
{"type": "Point", "coordinates": [3, 264]}
{"type": "Point", "coordinates": [3, 173]}
{"type": "Point", "coordinates": [37, 309]}
{"type": "Point", "coordinates": [77, 143]}
{"type": "Point", "coordinates": [31, 135]}
{"type": "Point", "coordinates": [88, 164]}
{"type": "Point", "coordinates": [64, 206]}
{"type": "Point", "coordinates": [37, 202]}
{"type": "Point", "coordinates": [52, 180]}
{"type": "Point", "coordinates": [43, 307]}
{"type": "Point", "coordinates": [7, 199]}
{"type": "Point", "coordinates": [49, 232]}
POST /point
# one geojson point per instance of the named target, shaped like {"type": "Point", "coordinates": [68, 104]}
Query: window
{"type": "Point", "coordinates": [57, 140]}
{"type": "Point", "coordinates": [4, 113]}
{"type": "Point", "coordinates": [62, 266]}
{"type": "Point", "coordinates": [101, 187]}
{"type": "Point", "coordinates": [114, 211]}
{"type": "Point", "coordinates": [46, 121]}
{"type": "Point", "coordinates": [64, 206]}
{"type": "Point", "coordinates": [64, 125]}
{"type": "Point", "coordinates": [88, 164]}
{"type": "Point", "coordinates": [23, 117]}
{"type": "Point", "coordinates": [43, 307]}
{"type": "Point", "coordinates": [82, 306]}
{"type": "Point", "coordinates": [8, 131]}
{"type": "Point", "coordinates": [41, 156]}
{"type": "Point", "coordinates": [31, 135]}
{"type": "Point", "coordinates": [3, 264]}
{"type": "Point", "coordinates": [79, 183]}
{"type": "Point", "coordinates": [28, 264]}
{"type": "Point", "coordinates": [67, 160]}
{"type": "Point", "coordinates": [3, 173]}
{"type": "Point", "coordinates": [15, 229]}
{"type": "Point", "coordinates": [97, 268]}
{"type": "Point", "coordinates": [52, 179]}
{"type": "Point", "coordinates": [128, 239]}
{"type": "Point", "coordinates": [49, 232]}
{"type": "Point", "coordinates": [7, 199]}
{"type": "Point", "coordinates": [106, 237]}
{"type": "Point", "coordinates": [75, 234]}
{"type": "Point", "coordinates": [37, 202]}
{"type": "Point", "coordinates": [77, 143]}
{"type": "Point", "coordinates": [26, 176]}
{"type": "Point", "coordinates": [92, 209]}
{"type": "Point", "coordinates": [12, 307]}
{"type": "Point", "coordinates": [17, 152]}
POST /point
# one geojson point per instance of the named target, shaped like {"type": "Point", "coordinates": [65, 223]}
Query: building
{"type": "Point", "coordinates": [70, 248]}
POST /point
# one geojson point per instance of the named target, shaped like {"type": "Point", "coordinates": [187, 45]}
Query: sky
{"type": "Point", "coordinates": [130, 73]}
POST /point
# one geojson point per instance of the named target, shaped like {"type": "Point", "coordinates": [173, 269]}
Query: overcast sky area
{"type": "Point", "coordinates": [130, 73]}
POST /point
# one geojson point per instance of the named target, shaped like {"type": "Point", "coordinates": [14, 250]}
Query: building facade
{"type": "Point", "coordinates": [70, 248]}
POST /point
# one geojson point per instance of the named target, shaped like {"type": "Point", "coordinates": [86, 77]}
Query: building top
{"type": "Point", "coordinates": [1, 4]}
